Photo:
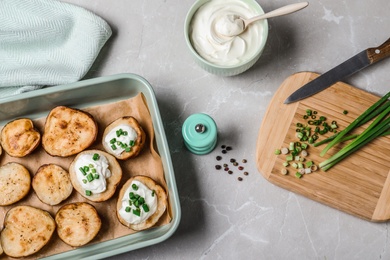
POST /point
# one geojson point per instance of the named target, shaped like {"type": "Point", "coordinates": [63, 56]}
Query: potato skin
{"type": "Point", "coordinates": [77, 223]}
{"type": "Point", "coordinates": [19, 137]}
{"type": "Point", "coordinates": [139, 143]}
{"type": "Point", "coordinates": [112, 182]}
{"type": "Point", "coordinates": [52, 184]}
{"type": "Point", "coordinates": [161, 203]}
{"type": "Point", "coordinates": [26, 230]}
{"type": "Point", "coordinates": [15, 183]}
{"type": "Point", "coordinates": [68, 131]}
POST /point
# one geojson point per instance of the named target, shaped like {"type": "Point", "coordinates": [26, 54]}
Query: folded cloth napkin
{"type": "Point", "coordinates": [45, 43]}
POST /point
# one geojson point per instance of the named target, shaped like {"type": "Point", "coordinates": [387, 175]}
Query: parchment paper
{"type": "Point", "coordinates": [148, 163]}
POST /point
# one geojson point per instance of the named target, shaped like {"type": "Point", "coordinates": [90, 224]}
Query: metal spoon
{"type": "Point", "coordinates": [243, 23]}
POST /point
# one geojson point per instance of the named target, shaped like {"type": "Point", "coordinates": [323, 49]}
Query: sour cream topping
{"type": "Point", "coordinates": [124, 135]}
{"type": "Point", "coordinates": [214, 22]}
{"type": "Point", "coordinates": [94, 174]}
{"type": "Point", "coordinates": [132, 213]}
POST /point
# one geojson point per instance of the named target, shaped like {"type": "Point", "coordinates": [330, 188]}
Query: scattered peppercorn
{"type": "Point", "coordinates": [224, 150]}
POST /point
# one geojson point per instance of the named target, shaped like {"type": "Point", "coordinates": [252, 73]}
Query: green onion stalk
{"type": "Point", "coordinates": [363, 118]}
{"type": "Point", "coordinates": [379, 128]}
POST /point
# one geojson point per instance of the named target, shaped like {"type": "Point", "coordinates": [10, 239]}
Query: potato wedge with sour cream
{"type": "Point", "coordinates": [95, 175]}
{"type": "Point", "coordinates": [141, 203]}
{"type": "Point", "coordinates": [124, 138]}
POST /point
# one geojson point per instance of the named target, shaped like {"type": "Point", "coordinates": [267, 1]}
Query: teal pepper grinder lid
{"type": "Point", "coordinates": [199, 133]}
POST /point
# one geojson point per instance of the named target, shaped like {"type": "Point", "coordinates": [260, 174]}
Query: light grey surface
{"type": "Point", "coordinates": [253, 219]}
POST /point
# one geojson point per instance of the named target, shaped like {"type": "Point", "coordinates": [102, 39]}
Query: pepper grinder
{"type": "Point", "coordinates": [200, 133]}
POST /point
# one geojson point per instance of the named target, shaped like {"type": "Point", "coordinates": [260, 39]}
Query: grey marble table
{"type": "Point", "coordinates": [223, 218]}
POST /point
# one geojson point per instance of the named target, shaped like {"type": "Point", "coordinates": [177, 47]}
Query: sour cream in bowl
{"type": "Point", "coordinates": [208, 26]}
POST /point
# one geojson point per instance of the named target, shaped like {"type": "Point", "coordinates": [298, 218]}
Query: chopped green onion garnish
{"type": "Point", "coordinates": [127, 209]}
{"type": "Point", "coordinates": [85, 181]}
{"type": "Point", "coordinates": [113, 147]}
{"type": "Point", "coordinates": [132, 143]}
{"type": "Point", "coordinates": [127, 149]}
{"type": "Point", "coordinates": [90, 177]}
{"type": "Point", "coordinates": [82, 171]}
{"type": "Point", "coordinates": [145, 207]}
{"type": "Point", "coordinates": [134, 186]}
{"type": "Point", "coordinates": [153, 192]}
{"type": "Point", "coordinates": [131, 195]}
{"type": "Point", "coordinates": [95, 157]}
{"type": "Point", "coordinates": [137, 212]}
{"type": "Point", "coordinates": [88, 192]}
{"type": "Point", "coordinates": [113, 141]}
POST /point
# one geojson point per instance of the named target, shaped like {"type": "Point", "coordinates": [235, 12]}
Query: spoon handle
{"type": "Point", "coordinates": [288, 9]}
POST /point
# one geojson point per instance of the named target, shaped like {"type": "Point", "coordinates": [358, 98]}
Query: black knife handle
{"type": "Point", "coordinates": [378, 53]}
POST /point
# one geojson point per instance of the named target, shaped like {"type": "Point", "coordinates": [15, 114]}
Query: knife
{"type": "Point", "coordinates": [345, 69]}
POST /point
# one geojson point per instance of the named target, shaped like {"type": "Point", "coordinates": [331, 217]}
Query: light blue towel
{"type": "Point", "coordinates": [46, 43]}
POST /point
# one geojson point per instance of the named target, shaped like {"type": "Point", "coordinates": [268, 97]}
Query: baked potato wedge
{"type": "Point", "coordinates": [52, 184]}
{"type": "Point", "coordinates": [26, 230]}
{"type": "Point", "coordinates": [15, 183]}
{"type": "Point", "coordinates": [77, 223]}
{"type": "Point", "coordinates": [99, 182]}
{"type": "Point", "coordinates": [154, 212]}
{"type": "Point", "coordinates": [124, 138]}
{"type": "Point", "coordinates": [19, 137]}
{"type": "Point", "coordinates": [68, 131]}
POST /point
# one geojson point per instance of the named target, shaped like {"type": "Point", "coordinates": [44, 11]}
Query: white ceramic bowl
{"type": "Point", "coordinates": [220, 69]}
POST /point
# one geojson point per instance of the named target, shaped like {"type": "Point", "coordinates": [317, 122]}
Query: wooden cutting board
{"type": "Point", "coordinates": [360, 184]}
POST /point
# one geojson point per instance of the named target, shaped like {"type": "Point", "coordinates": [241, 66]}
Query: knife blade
{"type": "Point", "coordinates": [356, 63]}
